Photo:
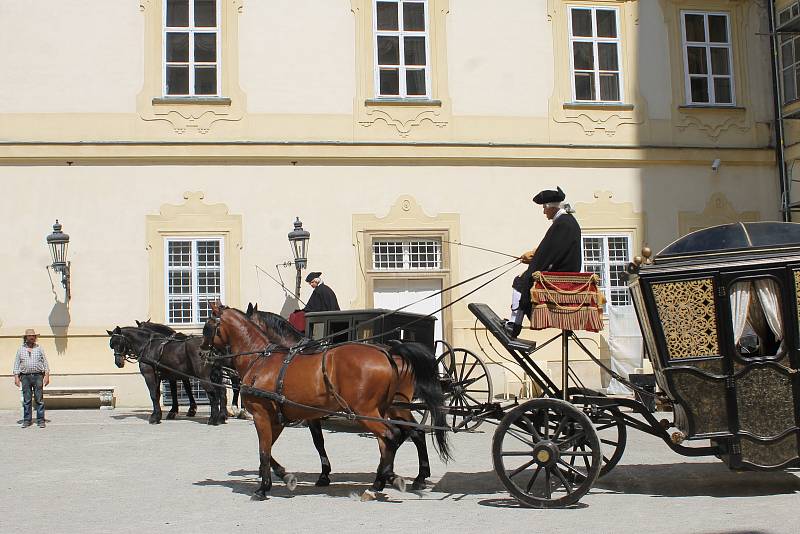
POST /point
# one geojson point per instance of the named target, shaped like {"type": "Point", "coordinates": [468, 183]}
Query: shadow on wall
{"type": "Point", "coordinates": [59, 323]}
{"type": "Point", "coordinates": [289, 305]}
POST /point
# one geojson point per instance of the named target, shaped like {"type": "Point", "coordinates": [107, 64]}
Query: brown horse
{"type": "Point", "coordinates": [282, 333]}
{"type": "Point", "coordinates": [354, 377]}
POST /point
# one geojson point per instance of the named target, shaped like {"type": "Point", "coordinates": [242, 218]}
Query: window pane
{"type": "Point", "coordinates": [205, 80]}
{"type": "Point", "coordinates": [178, 80]}
{"type": "Point", "coordinates": [796, 54]}
{"type": "Point", "coordinates": [719, 61]}
{"type": "Point", "coordinates": [584, 86]}
{"type": "Point", "coordinates": [581, 23]}
{"type": "Point", "coordinates": [180, 311]}
{"type": "Point", "coordinates": [784, 16]}
{"type": "Point", "coordinates": [205, 13]}
{"type": "Point", "coordinates": [205, 47]}
{"type": "Point", "coordinates": [388, 50]}
{"type": "Point", "coordinates": [607, 56]}
{"type": "Point", "coordinates": [788, 85]}
{"type": "Point", "coordinates": [699, 89]}
{"type": "Point", "coordinates": [178, 47]}
{"type": "Point", "coordinates": [592, 249]}
{"type": "Point", "coordinates": [390, 82]}
{"type": "Point", "coordinates": [387, 16]}
{"type": "Point", "coordinates": [718, 28]}
{"type": "Point", "coordinates": [178, 13]}
{"type": "Point", "coordinates": [208, 282]}
{"type": "Point", "coordinates": [787, 58]}
{"type": "Point", "coordinates": [180, 283]}
{"type": "Point", "coordinates": [606, 23]}
{"type": "Point", "coordinates": [414, 16]}
{"type": "Point", "coordinates": [722, 91]}
{"type": "Point", "coordinates": [583, 56]}
{"type": "Point", "coordinates": [208, 254]}
{"type": "Point", "coordinates": [609, 87]}
{"type": "Point", "coordinates": [414, 50]}
{"type": "Point", "coordinates": [179, 254]}
{"type": "Point", "coordinates": [696, 56]}
{"type": "Point", "coordinates": [796, 84]}
{"type": "Point", "coordinates": [618, 249]}
{"type": "Point", "coordinates": [695, 28]}
{"type": "Point", "coordinates": [415, 82]}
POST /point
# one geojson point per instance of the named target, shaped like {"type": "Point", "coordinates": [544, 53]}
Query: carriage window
{"type": "Point", "coordinates": [191, 48]}
{"type": "Point", "coordinates": [595, 54]}
{"type": "Point", "coordinates": [756, 317]}
{"type": "Point", "coordinates": [194, 278]}
{"type": "Point", "coordinates": [402, 69]}
{"type": "Point", "coordinates": [607, 256]}
{"type": "Point", "coordinates": [407, 255]}
{"type": "Point", "coordinates": [708, 58]}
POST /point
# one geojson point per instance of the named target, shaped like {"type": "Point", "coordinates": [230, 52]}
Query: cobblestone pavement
{"type": "Point", "coordinates": [110, 471]}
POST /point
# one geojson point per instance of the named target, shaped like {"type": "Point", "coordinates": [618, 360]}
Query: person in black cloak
{"type": "Point", "coordinates": [322, 298]}
{"type": "Point", "coordinates": [559, 251]}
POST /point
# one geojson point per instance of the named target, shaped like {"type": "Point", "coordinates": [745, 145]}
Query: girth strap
{"type": "Point", "coordinates": [332, 389]}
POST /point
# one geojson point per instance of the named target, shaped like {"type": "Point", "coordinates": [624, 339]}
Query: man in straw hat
{"type": "Point", "coordinates": [559, 251]}
{"type": "Point", "coordinates": [322, 298]}
{"type": "Point", "coordinates": [32, 373]}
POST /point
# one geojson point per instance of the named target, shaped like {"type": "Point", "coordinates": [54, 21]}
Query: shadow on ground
{"type": "Point", "coordinates": [144, 415]}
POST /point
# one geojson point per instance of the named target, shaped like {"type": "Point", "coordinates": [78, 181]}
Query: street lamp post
{"type": "Point", "coordinates": [298, 239]}
{"type": "Point", "coordinates": [58, 242]}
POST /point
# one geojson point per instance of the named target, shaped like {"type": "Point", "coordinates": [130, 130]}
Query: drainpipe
{"type": "Point", "coordinates": [777, 100]}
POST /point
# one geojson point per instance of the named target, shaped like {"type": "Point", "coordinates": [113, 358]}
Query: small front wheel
{"type": "Point", "coordinates": [546, 453]}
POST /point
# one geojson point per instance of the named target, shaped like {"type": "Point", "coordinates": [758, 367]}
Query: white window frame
{"type": "Point", "coordinates": [605, 283]}
{"type": "Point", "coordinates": [793, 67]}
{"type": "Point", "coordinates": [400, 33]}
{"type": "Point", "coordinates": [406, 244]}
{"type": "Point", "coordinates": [191, 29]}
{"type": "Point", "coordinates": [708, 46]}
{"type": "Point", "coordinates": [595, 40]}
{"type": "Point", "coordinates": [195, 296]}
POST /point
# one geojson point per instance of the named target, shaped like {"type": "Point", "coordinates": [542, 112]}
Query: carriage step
{"type": "Point", "coordinates": [524, 345]}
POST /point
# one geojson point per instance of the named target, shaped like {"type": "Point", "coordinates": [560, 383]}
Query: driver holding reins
{"type": "Point", "coordinates": [559, 251]}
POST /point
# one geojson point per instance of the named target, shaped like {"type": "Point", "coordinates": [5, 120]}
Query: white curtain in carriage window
{"type": "Point", "coordinates": [766, 307]}
{"type": "Point", "coordinates": [767, 291]}
{"type": "Point", "coordinates": [740, 302]}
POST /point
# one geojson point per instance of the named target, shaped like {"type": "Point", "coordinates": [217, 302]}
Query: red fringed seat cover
{"type": "Point", "coordinates": [568, 301]}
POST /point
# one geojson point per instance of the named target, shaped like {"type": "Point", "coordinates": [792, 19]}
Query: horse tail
{"type": "Point", "coordinates": [427, 388]}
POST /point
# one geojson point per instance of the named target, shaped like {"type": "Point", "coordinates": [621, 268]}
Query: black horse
{"type": "Point", "coordinates": [231, 374]}
{"type": "Point", "coordinates": [282, 333]}
{"type": "Point", "coordinates": [168, 357]}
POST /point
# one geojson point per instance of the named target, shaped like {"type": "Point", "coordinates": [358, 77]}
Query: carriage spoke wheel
{"type": "Point", "coordinates": [466, 385]}
{"type": "Point", "coordinates": [610, 427]}
{"type": "Point", "coordinates": [533, 451]}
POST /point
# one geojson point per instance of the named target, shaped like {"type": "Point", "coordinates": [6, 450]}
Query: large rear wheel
{"type": "Point", "coordinates": [608, 423]}
{"type": "Point", "coordinates": [466, 385]}
{"type": "Point", "coordinates": [546, 453]}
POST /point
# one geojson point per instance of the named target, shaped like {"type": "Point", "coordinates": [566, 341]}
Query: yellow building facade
{"type": "Point", "coordinates": [176, 130]}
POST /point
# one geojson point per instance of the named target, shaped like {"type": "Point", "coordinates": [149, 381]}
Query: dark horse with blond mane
{"type": "Point", "coordinates": [357, 378]}
{"type": "Point", "coordinates": [282, 333]}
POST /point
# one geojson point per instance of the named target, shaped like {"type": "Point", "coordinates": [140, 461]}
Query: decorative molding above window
{"type": "Point", "coordinates": [191, 67]}
{"type": "Point", "coordinates": [577, 97]}
{"type": "Point", "coordinates": [718, 210]}
{"type": "Point", "coordinates": [401, 65]}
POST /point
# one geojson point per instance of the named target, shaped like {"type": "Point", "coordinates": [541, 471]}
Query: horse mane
{"type": "Point", "coordinates": [162, 329]}
{"type": "Point", "coordinates": [281, 326]}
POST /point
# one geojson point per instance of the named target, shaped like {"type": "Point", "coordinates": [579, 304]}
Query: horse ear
{"type": "Point", "coordinates": [249, 311]}
{"type": "Point", "coordinates": [110, 333]}
{"type": "Point", "coordinates": [117, 330]}
{"type": "Point", "coordinates": [138, 323]}
{"type": "Point", "coordinates": [255, 307]}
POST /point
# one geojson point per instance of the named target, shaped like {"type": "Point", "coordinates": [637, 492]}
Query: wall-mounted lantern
{"type": "Point", "coordinates": [58, 242]}
{"type": "Point", "coordinates": [298, 239]}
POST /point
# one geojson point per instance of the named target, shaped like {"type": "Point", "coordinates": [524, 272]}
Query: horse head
{"type": "Point", "coordinates": [119, 344]}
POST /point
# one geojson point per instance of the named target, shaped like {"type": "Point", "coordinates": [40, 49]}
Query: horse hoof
{"type": "Point", "coordinates": [418, 485]}
{"type": "Point", "coordinates": [171, 416]}
{"type": "Point", "coordinates": [259, 496]}
{"type": "Point", "coordinates": [399, 483]}
{"type": "Point", "coordinates": [291, 482]}
{"type": "Point", "coordinates": [191, 413]}
{"type": "Point", "coordinates": [368, 495]}
{"type": "Point", "coordinates": [155, 421]}
{"type": "Point", "coordinates": [323, 481]}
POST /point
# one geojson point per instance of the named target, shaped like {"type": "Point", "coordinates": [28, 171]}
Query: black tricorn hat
{"type": "Point", "coordinates": [548, 195]}
{"type": "Point", "coordinates": [312, 275]}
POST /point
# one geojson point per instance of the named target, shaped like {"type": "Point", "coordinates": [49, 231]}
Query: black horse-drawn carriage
{"type": "Point", "coordinates": [719, 311]}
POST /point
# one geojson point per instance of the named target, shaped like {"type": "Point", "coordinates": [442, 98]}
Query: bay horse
{"type": "Point", "coordinates": [358, 378]}
{"type": "Point", "coordinates": [281, 332]}
{"type": "Point", "coordinates": [158, 355]}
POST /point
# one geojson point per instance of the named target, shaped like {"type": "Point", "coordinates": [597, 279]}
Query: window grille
{"type": "Point", "coordinates": [402, 66]}
{"type": "Point", "coordinates": [406, 255]}
{"type": "Point", "coordinates": [707, 58]}
{"type": "Point", "coordinates": [199, 393]}
{"type": "Point", "coordinates": [191, 48]}
{"type": "Point", "coordinates": [595, 54]}
{"type": "Point", "coordinates": [607, 256]}
{"type": "Point", "coordinates": [194, 279]}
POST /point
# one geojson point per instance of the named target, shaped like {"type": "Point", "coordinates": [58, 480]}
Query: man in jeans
{"type": "Point", "coordinates": [32, 372]}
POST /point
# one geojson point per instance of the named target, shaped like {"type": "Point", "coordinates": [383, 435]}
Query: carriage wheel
{"type": "Point", "coordinates": [610, 427]}
{"type": "Point", "coordinates": [466, 385]}
{"type": "Point", "coordinates": [533, 448]}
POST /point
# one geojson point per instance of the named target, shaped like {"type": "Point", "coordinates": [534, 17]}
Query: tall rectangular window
{"type": "Point", "coordinates": [406, 255]}
{"type": "Point", "coordinates": [194, 278]}
{"type": "Point", "coordinates": [790, 66]}
{"type": "Point", "coordinates": [402, 65]}
{"type": "Point", "coordinates": [708, 60]}
{"type": "Point", "coordinates": [191, 48]}
{"type": "Point", "coordinates": [595, 54]}
{"type": "Point", "coordinates": [607, 256]}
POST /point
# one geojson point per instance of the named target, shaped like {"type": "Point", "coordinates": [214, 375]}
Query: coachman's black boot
{"type": "Point", "coordinates": [512, 329]}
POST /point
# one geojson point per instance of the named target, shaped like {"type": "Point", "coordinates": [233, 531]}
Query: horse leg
{"type": "Point", "coordinates": [187, 387]}
{"type": "Point", "coordinates": [288, 478]}
{"type": "Point", "coordinates": [268, 431]}
{"type": "Point", "coordinates": [154, 386]}
{"type": "Point", "coordinates": [315, 427]}
{"type": "Point", "coordinates": [173, 389]}
{"type": "Point", "coordinates": [219, 402]}
{"type": "Point", "coordinates": [388, 441]}
{"type": "Point", "coordinates": [418, 437]}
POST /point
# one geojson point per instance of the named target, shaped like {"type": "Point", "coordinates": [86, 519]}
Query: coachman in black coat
{"type": "Point", "coordinates": [322, 298]}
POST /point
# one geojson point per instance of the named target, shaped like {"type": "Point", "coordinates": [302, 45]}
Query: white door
{"type": "Point", "coordinates": [396, 293]}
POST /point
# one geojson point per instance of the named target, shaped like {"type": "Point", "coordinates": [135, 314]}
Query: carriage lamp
{"type": "Point", "coordinates": [298, 239]}
{"type": "Point", "coordinates": [58, 242]}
